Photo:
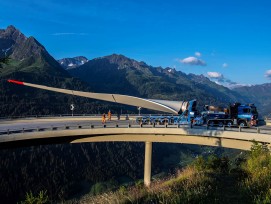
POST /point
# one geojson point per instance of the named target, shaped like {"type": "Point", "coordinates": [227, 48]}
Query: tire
{"type": "Point", "coordinates": [242, 123]}
{"type": "Point", "coordinates": [211, 123]}
{"type": "Point", "coordinates": [229, 124]}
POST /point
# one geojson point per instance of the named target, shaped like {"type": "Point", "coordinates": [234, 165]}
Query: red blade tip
{"type": "Point", "coordinates": [15, 82]}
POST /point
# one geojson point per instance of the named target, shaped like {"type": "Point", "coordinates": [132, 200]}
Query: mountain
{"type": "Point", "coordinates": [10, 38]}
{"type": "Point", "coordinates": [119, 74]}
{"type": "Point", "coordinates": [70, 63]}
{"type": "Point", "coordinates": [258, 94]}
{"type": "Point", "coordinates": [115, 73]}
{"type": "Point", "coordinates": [27, 54]}
{"type": "Point", "coordinates": [30, 62]}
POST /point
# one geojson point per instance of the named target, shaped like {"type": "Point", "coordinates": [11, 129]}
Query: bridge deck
{"type": "Point", "coordinates": [79, 130]}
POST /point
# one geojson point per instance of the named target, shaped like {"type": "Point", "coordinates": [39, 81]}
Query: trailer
{"type": "Point", "coordinates": [186, 116]}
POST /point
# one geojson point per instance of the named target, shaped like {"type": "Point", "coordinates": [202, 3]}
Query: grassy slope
{"type": "Point", "coordinates": [212, 180]}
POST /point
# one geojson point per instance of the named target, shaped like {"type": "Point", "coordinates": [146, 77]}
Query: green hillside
{"type": "Point", "coordinates": [258, 94]}
{"type": "Point", "coordinates": [119, 74]}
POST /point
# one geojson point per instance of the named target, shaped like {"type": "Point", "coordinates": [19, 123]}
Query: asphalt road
{"type": "Point", "coordinates": [34, 123]}
{"type": "Point", "coordinates": [57, 122]}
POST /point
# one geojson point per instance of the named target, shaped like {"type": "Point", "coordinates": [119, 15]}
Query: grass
{"type": "Point", "coordinates": [187, 186]}
{"type": "Point", "coordinates": [207, 180]}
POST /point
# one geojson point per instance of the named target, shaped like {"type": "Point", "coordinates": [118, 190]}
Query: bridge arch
{"type": "Point", "coordinates": [218, 138]}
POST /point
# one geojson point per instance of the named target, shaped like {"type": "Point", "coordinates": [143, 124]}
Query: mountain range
{"type": "Point", "coordinates": [110, 74]}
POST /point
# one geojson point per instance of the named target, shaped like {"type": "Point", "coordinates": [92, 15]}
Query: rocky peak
{"type": "Point", "coordinates": [70, 63]}
{"type": "Point", "coordinates": [29, 48]}
{"type": "Point", "coordinates": [27, 51]}
{"type": "Point", "coordinates": [12, 33]}
{"type": "Point", "coordinates": [11, 28]}
{"type": "Point", "coordinates": [170, 70]}
{"type": "Point", "coordinates": [15, 44]}
{"type": "Point", "coordinates": [10, 39]}
{"type": "Point", "coordinates": [198, 78]}
{"type": "Point", "coordinates": [124, 62]}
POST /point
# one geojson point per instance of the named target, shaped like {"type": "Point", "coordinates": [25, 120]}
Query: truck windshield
{"type": "Point", "coordinates": [254, 110]}
{"type": "Point", "coordinates": [246, 110]}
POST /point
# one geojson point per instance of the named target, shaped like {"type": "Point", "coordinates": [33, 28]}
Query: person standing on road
{"type": "Point", "coordinates": [103, 118]}
{"type": "Point", "coordinates": [109, 115]}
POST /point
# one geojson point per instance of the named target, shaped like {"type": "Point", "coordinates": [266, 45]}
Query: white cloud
{"type": "Point", "coordinates": [219, 79]}
{"type": "Point", "coordinates": [233, 86]}
{"type": "Point", "coordinates": [268, 74]}
{"type": "Point", "coordinates": [225, 65]}
{"type": "Point", "coordinates": [198, 54]}
{"type": "Point", "coordinates": [215, 75]}
{"type": "Point", "coordinates": [193, 61]}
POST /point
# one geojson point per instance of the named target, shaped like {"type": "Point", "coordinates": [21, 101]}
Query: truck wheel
{"type": "Point", "coordinates": [229, 124]}
{"type": "Point", "coordinates": [211, 123]}
{"type": "Point", "coordinates": [242, 124]}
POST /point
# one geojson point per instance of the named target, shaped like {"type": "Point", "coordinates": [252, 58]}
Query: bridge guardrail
{"type": "Point", "coordinates": [75, 115]}
{"type": "Point", "coordinates": [129, 125]}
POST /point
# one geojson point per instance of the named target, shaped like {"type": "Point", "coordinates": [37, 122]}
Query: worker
{"type": "Point", "coordinates": [103, 118]}
{"type": "Point", "coordinates": [109, 115]}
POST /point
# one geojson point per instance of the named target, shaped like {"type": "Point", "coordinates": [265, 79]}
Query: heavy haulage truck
{"type": "Point", "coordinates": [235, 115]}
{"type": "Point", "coordinates": [244, 115]}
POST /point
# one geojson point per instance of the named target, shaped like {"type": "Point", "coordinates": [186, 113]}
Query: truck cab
{"type": "Point", "coordinates": [247, 115]}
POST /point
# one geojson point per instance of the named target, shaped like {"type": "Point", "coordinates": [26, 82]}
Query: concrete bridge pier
{"type": "Point", "coordinates": [147, 166]}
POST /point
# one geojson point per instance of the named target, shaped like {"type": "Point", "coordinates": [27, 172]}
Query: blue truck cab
{"type": "Point", "coordinates": [247, 115]}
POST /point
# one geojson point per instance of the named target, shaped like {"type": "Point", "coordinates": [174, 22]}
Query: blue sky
{"type": "Point", "coordinates": [229, 40]}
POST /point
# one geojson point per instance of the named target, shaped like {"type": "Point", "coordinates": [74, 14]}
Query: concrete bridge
{"type": "Point", "coordinates": [76, 130]}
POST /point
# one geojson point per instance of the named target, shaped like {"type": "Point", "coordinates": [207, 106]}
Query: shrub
{"type": "Point", "coordinates": [41, 198]}
{"type": "Point", "coordinates": [98, 188]}
{"type": "Point", "coordinates": [257, 185]}
{"type": "Point", "coordinates": [213, 163]}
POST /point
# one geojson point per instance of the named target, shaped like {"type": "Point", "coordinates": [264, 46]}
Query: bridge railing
{"type": "Point", "coordinates": [258, 130]}
{"type": "Point", "coordinates": [75, 115]}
